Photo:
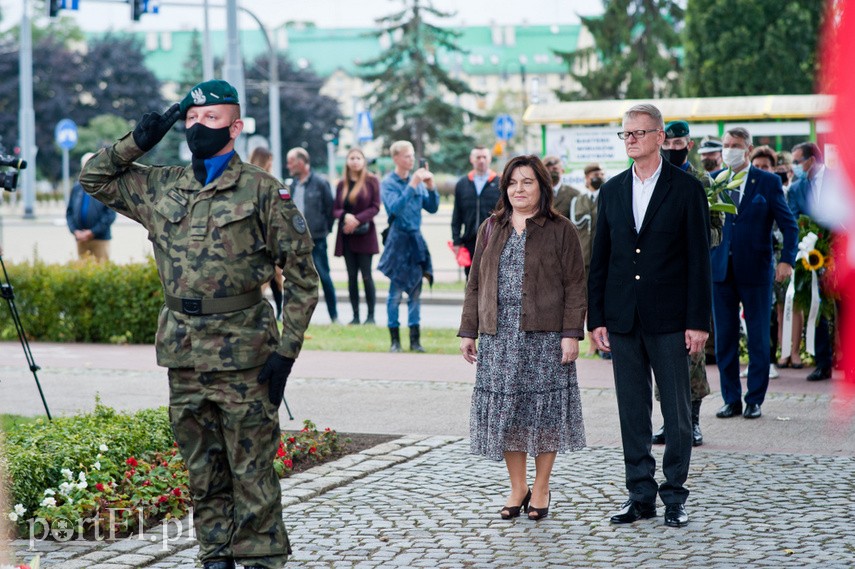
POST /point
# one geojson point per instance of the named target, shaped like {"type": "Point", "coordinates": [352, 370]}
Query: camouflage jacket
{"type": "Point", "coordinates": [215, 241]}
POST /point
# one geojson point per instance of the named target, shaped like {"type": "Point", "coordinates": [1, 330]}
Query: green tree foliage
{"type": "Point", "coordinates": [108, 77]}
{"type": "Point", "coordinates": [192, 70]}
{"type": "Point", "coordinates": [410, 89]}
{"type": "Point", "coordinates": [751, 47]}
{"type": "Point", "coordinates": [306, 114]}
{"type": "Point", "coordinates": [634, 55]}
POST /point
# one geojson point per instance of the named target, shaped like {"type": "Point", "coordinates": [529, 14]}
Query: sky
{"type": "Point", "coordinates": [104, 15]}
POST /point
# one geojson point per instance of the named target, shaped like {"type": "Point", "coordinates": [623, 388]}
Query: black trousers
{"type": "Point", "coordinates": [633, 356]}
{"type": "Point", "coordinates": [359, 263]}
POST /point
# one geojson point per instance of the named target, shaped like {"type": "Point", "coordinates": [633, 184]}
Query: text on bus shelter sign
{"type": "Point", "coordinates": [504, 127]}
{"type": "Point", "coordinates": [66, 134]}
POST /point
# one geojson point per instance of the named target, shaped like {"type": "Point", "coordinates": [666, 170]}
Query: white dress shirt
{"type": "Point", "coordinates": [642, 191]}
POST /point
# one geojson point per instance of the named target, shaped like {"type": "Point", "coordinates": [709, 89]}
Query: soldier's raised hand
{"type": "Point", "coordinates": [275, 374]}
{"type": "Point", "coordinates": [153, 126]}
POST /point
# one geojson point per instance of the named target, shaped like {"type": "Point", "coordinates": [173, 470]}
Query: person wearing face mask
{"type": "Point", "coordinates": [676, 149]}
{"type": "Point", "coordinates": [562, 193]}
{"type": "Point", "coordinates": [710, 153]}
{"type": "Point", "coordinates": [219, 227]}
{"type": "Point", "coordinates": [742, 271]}
{"type": "Point", "coordinates": [810, 173]}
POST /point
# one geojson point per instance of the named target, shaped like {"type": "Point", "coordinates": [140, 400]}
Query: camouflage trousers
{"type": "Point", "coordinates": [228, 433]}
{"type": "Point", "coordinates": [697, 377]}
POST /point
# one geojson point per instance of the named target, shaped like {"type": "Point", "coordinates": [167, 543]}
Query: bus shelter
{"type": "Point", "coordinates": [582, 132]}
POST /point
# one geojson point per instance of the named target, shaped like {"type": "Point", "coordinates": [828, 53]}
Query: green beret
{"type": "Point", "coordinates": [676, 129]}
{"type": "Point", "coordinates": [213, 92]}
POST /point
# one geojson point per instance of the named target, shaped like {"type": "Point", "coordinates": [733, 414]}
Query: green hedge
{"type": "Point", "coordinates": [85, 301]}
{"type": "Point", "coordinates": [35, 454]}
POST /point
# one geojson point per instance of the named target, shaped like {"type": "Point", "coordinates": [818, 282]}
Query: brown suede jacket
{"type": "Point", "coordinates": [554, 294]}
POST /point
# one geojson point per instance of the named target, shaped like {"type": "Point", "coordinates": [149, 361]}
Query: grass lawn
{"type": "Point", "coordinates": [343, 338]}
{"type": "Point", "coordinates": [11, 422]}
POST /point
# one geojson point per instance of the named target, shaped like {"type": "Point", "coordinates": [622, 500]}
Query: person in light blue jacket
{"type": "Point", "coordinates": [406, 258]}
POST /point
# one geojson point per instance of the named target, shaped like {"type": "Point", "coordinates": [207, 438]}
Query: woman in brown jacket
{"type": "Point", "coordinates": [357, 201]}
{"type": "Point", "coordinates": [526, 297]}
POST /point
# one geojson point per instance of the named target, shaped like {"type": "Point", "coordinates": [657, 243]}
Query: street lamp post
{"type": "Point", "coordinates": [26, 114]}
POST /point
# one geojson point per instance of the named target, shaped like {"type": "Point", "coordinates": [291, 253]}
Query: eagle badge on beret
{"type": "Point", "coordinates": [284, 193]}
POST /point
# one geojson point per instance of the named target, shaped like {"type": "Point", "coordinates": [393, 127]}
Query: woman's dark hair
{"type": "Point", "coordinates": [504, 208]}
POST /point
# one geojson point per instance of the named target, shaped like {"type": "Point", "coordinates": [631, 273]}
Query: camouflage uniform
{"type": "Point", "coordinates": [215, 241]}
{"type": "Point", "coordinates": [697, 362]}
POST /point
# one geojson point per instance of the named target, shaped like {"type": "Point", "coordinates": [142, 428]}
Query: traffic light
{"type": "Point", "coordinates": [54, 7]}
{"type": "Point", "coordinates": [137, 9]}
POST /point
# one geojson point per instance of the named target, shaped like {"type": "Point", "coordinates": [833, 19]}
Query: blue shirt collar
{"type": "Point", "coordinates": [217, 165]}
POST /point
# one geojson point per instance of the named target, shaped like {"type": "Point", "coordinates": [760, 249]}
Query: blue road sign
{"type": "Point", "coordinates": [504, 127]}
{"type": "Point", "coordinates": [70, 4]}
{"type": "Point", "coordinates": [66, 134]}
{"type": "Point", "coordinates": [364, 127]}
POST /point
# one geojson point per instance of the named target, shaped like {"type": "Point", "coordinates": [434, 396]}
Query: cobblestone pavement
{"type": "Point", "coordinates": [426, 502]}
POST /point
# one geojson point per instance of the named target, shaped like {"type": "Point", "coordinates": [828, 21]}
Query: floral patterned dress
{"type": "Point", "coordinates": [525, 399]}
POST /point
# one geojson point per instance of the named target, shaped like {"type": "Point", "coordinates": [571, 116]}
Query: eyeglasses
{"type": "Point", "coordinates": [801, 161]}
{"type": "Point", "coordinates": [638, 134]}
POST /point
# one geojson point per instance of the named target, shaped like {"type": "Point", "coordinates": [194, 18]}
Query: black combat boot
{"type": "Point", "coordinates": [697, 436]}
{"type": "Point", "coordinates": [415, 345]}
{"type": "Point", "coordinates": [221, 564]}
{"type": "Point", "coordinates": [396, 339]}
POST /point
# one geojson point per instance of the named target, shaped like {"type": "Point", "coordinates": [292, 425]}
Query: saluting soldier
{"type": "Point", "coordinates": [219, 226]}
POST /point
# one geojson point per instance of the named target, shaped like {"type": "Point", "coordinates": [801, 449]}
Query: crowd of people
{"type": "Point", "coordinates": [639, 259]}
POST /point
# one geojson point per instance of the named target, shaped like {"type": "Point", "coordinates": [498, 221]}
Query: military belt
{"type": "Point", "coordinates": [203, 306]}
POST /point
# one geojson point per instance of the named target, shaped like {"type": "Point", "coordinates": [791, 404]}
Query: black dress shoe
{"type": "Point", "coordinates": [752, 411]}
{"type": "Point", "coordinates": [221, 564]}
{"type": "Point", "coordinates": [819, 374]}
{"type": "Point", "coordinates": [675, 515]}
{"type": "Point", "coordinates": [632, 511]}
{"type": "Point", "coordinates": [729, 410]}
{"type": "Point", "coordinates": [658, 437]}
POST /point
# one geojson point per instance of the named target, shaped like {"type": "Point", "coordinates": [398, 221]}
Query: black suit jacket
{"type": "Point", "coordinates": [661, 272]}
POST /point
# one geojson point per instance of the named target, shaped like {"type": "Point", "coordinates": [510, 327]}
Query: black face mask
{"type": "Point", "coordinates": [709, 164]}
{"type": "Point", "coordinates": [676, 157]}
{"type": "Point", "coordinates": [555, 177]}
{"type": "Point", "coordinates": [204, 142]}
{"type": "Point", "coordinates": [596, 183]}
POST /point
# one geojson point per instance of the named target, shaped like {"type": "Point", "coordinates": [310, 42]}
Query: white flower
{"type": "Point", "coordinates": [82, 476]}
{"type": "Point", "coordinates": [20, 509]}
{"type": "Point", "coordinates": [66, 487]}
{"type": "Point", "coordinates": [97, 465]}
{"type": "Point", "coordinates": [67, 474]}
{"type": "Point", "coordinates": [103, 448]}
{"type": "Point", "coordinates": [48, 502]}
{"type": "Point", "coordinates": [13, 517]}
{"type": "Point", "coordinates": [82, 485]}
{"type": "Point", "coordinates": [50, 492]}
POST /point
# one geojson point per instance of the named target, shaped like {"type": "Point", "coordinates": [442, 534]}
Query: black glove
{"type": "Point", "coordinates": [152, 127]}
{"type": "Point", "coordinates": [275, 374]}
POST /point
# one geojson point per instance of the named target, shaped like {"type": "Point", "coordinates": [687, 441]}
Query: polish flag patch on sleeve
{"type": "Point", "coordinates": [285, 193]}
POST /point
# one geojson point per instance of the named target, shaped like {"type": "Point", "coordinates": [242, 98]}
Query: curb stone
{"type": "Point", "coordinates": [149, 550]}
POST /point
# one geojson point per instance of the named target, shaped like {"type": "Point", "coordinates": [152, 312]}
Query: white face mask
{"type": "Point", "coordinates": [733, 157]}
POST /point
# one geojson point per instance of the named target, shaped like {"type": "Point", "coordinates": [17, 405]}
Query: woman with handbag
{"type": "Point", "coordinates": [357, 201]}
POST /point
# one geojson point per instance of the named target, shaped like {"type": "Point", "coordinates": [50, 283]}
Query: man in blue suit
{"type": "Point", "coordinates": [810, 174]}
{"type": "Point", "coordinates": [742, 269]}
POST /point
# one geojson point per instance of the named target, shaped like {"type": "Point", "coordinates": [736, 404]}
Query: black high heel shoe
{"type": "Point", "coordinates": [541, 512]}
{"type": "Point", "coordinates": [509, 512]}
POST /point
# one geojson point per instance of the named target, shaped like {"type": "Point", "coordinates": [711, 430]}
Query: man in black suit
{"type": "Point", "coordinates": [649, 304]}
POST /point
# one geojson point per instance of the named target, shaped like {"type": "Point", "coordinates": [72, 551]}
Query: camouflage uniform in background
{"type": "Point", "coordinates": [214, 241]}
{"type": "Point", "coordinates": [697, 362]}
